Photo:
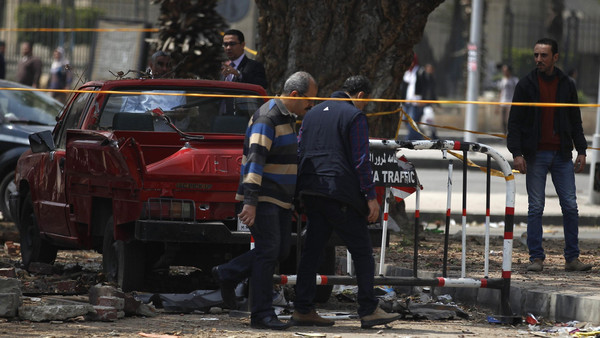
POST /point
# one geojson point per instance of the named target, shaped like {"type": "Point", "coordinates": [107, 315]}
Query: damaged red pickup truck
{"type": "Point", "coordinates": [117, 179]}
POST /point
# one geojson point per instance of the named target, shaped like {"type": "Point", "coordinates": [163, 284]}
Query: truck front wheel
{"type": "Point", "coordinates": [123, 262]}
{"type": "Point", "coordinates": [33, 247]}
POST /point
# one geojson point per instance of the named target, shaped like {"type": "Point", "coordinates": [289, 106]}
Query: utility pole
{"type": "Point", "coordinates": [473, 67]}
{"type": "Point", "coordinates": [594, 178]}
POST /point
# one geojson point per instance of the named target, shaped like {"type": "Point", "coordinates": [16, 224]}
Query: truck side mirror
{"type": "Point", "coordinates": [41, 142]}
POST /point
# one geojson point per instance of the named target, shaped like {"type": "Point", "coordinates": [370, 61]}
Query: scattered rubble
{"type": "Point", "coordinates": [52, 312]}
{"type": "Point", "coordinates": [104, 303]}
{"type": "Point", "coordinates": [10, 296]}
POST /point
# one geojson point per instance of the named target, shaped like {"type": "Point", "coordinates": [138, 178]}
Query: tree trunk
{"type": "Point", "coordinates": [336, 39]}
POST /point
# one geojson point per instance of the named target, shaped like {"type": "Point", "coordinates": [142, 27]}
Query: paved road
{"type": "Point", "coordinates": [432, 170]}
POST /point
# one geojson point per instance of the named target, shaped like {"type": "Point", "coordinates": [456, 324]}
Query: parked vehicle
{"type": "Point", "coordinates": [116, 178]}
{"type": "Point", "coordinates": [22, 112]}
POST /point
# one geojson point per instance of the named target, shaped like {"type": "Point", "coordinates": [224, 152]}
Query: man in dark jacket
{"type": "Point", "coordinates": [240, 68]}
{"type": "Point", "coordinates": [541, 140]}
{"type": "Point", "coordinates": [29, 68]}
{"type": "Point", "coordinates": [338, 193]}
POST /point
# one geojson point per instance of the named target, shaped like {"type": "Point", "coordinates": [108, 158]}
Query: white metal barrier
{"type": "Point", "coordinates": [503, 283]}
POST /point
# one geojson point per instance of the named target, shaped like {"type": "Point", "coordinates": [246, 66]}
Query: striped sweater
{"type": "Point", "coordinates": [269, 164]}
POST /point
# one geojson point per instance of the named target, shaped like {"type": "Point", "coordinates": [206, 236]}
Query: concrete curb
{"type": "Point", "coordinates": [553, 306]}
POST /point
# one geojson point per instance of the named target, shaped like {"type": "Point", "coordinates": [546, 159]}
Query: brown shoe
{"type": "Point", "coordinates": [378, 317]}
{"type": "Point", "coordinates": [310, 319]}
{"type": "Point", "coordinates": [536, 265]}
{"type": "Point", "coordinates": [577, 265]}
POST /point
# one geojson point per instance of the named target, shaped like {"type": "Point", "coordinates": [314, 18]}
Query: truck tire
{"type": "Point", "coordinates": [33, 247]}
{"type": "Point", "coordinates": [7, 186]}
{"type": "Point", "coordinates": [123, 262]}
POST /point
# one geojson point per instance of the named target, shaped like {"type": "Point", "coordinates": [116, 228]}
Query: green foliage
{"type": "Point", "coordinates": [581, 98]}
{"type": "Point", "coordinates": [31, 15]}
{"type": "Point", "coordinates": [86, 18]}
{"type": "Point", "coordinates": [522, 61]}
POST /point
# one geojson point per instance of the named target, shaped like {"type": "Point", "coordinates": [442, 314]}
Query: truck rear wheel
{"type": "Point", "coordinates": [33, 247]}
{"type": "Point", "coordinates": [123, 262]}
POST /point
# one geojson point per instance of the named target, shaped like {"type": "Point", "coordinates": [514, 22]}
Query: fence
{"type": "Point", "coordinates": [66, 14]}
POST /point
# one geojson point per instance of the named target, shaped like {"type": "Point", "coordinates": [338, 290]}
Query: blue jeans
{"type": "Point", "coordinates": [415, 113]}
{"type": "Point", "coordinates": [324, 216]}
{"type": "Point", "coordinates": [563, 178]}
{"type": "Point", "coordinates": [272, 231]}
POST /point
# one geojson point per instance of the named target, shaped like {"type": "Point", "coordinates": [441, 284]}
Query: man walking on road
{"type": "Point", "coordinates": [337, 189]}
{"type": "Point", "coordinates": [267, 187]}
{"type": "Point", "coordinates": [541, 140]}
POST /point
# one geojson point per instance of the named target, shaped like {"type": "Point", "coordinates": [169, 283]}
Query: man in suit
{"type": "Point", "coordinates": [239, 67]}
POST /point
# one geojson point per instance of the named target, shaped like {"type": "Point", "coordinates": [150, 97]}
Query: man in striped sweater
{"type": "Point", "coordinates": [267, 187]}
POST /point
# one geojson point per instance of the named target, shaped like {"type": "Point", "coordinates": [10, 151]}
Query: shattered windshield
{"type": "Point", "coordinates": [202, 114]}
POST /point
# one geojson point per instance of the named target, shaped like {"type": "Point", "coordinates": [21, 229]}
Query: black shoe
{"type": "Point", "coordinates": [227, 290]}
{"type": "Point", "coordinates": [270, 322]}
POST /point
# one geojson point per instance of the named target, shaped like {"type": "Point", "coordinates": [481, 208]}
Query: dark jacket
{"type": "Point", "coordinates": [252, 72]}
{"type": "Point", "coordinates": [325, 156]}
{"type": "Point", "coordinates": [524, 122]}
{"type": "Point", "coordinates": [422, 86]}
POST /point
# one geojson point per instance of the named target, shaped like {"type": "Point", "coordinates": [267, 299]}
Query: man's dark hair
{"type": "Point", "coordinates": [358, 83]}
{"type": "Point", "coordinates": [237, 33]}
{"type": "Point", "coordinates": [549, 42]}
{"type": "Point", "coordinates": [2, 43]}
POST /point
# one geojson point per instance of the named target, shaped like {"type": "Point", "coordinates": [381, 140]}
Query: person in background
{"type": "Point", "coordinates": [336, 187]}
{"type": "Point", "coordinates": [507, 88]}
{"type": "Point", "coordinates": [267, 187]}
{"type": "Point", "coordinates": [239, 67]}
{"type": "Point", "coordinates": [29, 68]}
{"type": "Point", "coordinates": [541, 140]}
{"type": "Point", "coordinates": [430, 94]}
{"type": "Point", "coordinates": [2, 60]}
{"type": "Point", "coordinates": [60, 76]}
{"type": "Point", "coordinates": [414, 87]}
{"type": "Point", "coordinates": [161, 65]}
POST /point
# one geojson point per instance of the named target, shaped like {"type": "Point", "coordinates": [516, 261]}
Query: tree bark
{"type": "Point", "coordinates": [335, 39]}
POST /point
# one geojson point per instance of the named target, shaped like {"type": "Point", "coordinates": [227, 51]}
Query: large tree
{"type": "Point", "coordinates": [338, 38]}
{"type": "Point", "coordinates": [191, 31]}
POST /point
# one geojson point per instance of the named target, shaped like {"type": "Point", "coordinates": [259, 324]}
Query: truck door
{"type": "Point", "coordinates": [52, 203]}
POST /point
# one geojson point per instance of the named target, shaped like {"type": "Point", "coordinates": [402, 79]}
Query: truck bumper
{"type": "Point", "coordinates": [215, 232]}
{"type": "Point", "coordinates": [188, 232]}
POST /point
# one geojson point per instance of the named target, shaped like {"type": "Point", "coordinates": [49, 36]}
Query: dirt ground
{"type": "Point", "coordinates": [85, 268]}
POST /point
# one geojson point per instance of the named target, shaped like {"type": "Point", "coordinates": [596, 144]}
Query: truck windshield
{"type": "Point", "coordinates": [188, 111]}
